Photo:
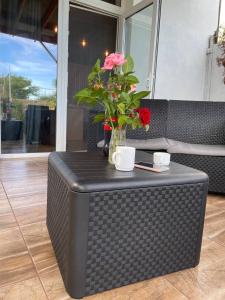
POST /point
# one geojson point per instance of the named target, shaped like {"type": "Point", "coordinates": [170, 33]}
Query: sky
{"type": "Point", "coordinates": [29, 59]}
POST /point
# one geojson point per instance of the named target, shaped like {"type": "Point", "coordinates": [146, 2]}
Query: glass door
{"type": "Point", "coordinates": [28, 65]}
{"type": "Point", "coordinates": [92, 35]}
{"type": "Point", "coordinates": [140, 40]}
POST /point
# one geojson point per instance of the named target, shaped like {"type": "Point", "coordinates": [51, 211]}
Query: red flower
{"type": "Point", "coordinates": [107, 127]}
{"type": "Point", "coordinates": [144, 115]}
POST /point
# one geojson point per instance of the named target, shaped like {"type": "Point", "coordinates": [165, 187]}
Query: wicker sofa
{"type": "Point", "coordinates": [192, 131]}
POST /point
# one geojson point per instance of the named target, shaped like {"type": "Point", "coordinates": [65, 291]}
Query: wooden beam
{"type": "Point", "coordinates": [20, 12]}
{"type": "Point", "coordinates": [49, 12]}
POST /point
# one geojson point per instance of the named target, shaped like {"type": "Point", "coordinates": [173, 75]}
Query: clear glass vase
{"type": "Point", "coordinates": [118, 138]}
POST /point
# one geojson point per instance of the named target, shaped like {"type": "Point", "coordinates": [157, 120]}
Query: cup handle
{"type": "Point", "coordinates": [114, 157]}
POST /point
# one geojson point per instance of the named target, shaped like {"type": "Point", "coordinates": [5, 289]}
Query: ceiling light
{"type": "Point", "coordinates": [83, 43]}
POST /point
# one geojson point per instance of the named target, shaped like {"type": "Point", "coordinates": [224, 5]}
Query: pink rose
{"type": "Point", "coordinates": [113, 60]}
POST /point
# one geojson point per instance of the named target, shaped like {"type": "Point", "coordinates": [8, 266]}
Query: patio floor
{"type": "Point", "coordinates": [28, 269]}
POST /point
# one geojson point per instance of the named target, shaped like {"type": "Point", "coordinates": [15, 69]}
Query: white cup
{"type": "Point", "coordinates": [124, 158]}
{"type": "Point", "coordinates": [161, 159]}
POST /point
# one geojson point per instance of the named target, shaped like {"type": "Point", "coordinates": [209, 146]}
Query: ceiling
{"type": "Point", "coordinates": [33, 19]}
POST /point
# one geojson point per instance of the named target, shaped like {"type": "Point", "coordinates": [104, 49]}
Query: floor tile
{"type": "Point", "coordinates": [5, 207]}
{"type": "Point", "coordinates": [7, 221]}
{"type": "Point", "coordinates": [30, 214]}
{"type": "Point", "coordinates": [12, 243]}
{"type": "Point", "coordinates": [199, 285]}
{"type": "Point", "coordinates": [25, 290]}
{"type": "Point", "coordinates": [24, 187]}
{"type": "Point", "coordinates": [212, 256]}
{"type": "Point", "coordinates": [28, 200]}
{"type": "Point", "coordinates": [53, 285]}
{"type": "Point", "coordinates": [214, 223]}
{"type": "Point", "coordinates": [16, 268]}
{"type": "Point", "coordinates": [40, 247]}
{"type": "Point", "coordinates": [35, 234]}
{"type": "Point", "coordinates": [153, 289]}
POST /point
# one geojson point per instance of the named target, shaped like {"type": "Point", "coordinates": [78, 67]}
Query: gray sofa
{"type": "Point", "coordinates": [192, 131]}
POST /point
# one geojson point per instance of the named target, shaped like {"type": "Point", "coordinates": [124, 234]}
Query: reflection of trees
{"type": "Point", "coordinates": [23, 93]}
{"type": "Point", "coordinates": [21, 88]}
{"type": "Point", "coordinates": [221, 42]}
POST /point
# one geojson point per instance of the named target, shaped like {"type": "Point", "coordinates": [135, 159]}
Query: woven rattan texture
{"type": "Point", "coordinates": [58, 210]}
{"type": "Point", "coordinates": [214, 166]}
{"type": "Point", "coordinates": [159, 111]}
{"type": "Point", "coordinates": [94, 131]}
{"type": "Point", "coordinates": [142, 233]}
{"type": "Point", "coordinates": [196, 122]}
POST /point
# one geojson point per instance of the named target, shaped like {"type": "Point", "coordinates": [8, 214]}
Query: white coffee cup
{"type": "Point", "coordinates": [161, 158]}
{"type": "Point", "coordinates": [124, 158]}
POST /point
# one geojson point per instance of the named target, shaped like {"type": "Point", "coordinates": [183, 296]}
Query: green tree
{"type": "Point", "coordinates": [21, 87]}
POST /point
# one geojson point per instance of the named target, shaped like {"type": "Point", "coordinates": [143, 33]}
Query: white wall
{"type": "Point", "coordinates": [183, 40]}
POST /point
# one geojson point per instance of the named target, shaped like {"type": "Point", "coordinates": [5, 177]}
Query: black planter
{"type": "Point", "coordinates": [11, 130]}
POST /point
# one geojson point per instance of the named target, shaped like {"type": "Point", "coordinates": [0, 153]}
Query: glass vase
{"type": "Point", "coordinates": [118, 138]}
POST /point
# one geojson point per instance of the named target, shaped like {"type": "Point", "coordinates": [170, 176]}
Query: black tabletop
{"type": "Point", "coordinates": [91, 172]}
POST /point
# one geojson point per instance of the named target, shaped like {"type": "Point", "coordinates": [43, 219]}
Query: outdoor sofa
{"type": "Point", "coordinates": [192, 131]}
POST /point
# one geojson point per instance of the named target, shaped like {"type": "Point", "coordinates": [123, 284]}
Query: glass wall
{"type": "Point", "coordinates": [92, 36]}
{"type": "Point", "coordinates": [138, 32]}
{"type": "Point", "coordinates": [28, 64]}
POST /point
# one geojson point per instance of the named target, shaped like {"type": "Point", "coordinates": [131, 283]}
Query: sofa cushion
{"type": "Point", "coordinates": [196, 149]}
{"type": "Point", "coordinates": [149, 144]}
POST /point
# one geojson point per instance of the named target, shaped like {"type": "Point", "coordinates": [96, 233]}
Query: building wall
{"type": "Point", "coordinates": [185, 28]}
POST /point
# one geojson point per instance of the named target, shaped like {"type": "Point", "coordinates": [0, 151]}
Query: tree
{"type": "Point", "coordinates": [221, 58]}
{"type": "Point", "coordinates": [21, 87]}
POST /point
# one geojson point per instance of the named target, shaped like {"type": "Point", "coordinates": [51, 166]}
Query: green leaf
{"type": "Point", "coordinates": [140, 95]}
{"type": "Point", "coordinates": [125, 97]}
{"type": "Point", "coordinates": [84, 93]}
{"type": "Point", "coordinates": [99, 118]}
{"type": "Point", "coordinates": [131, 79]}
{"type": "Point", "coordinates": [94, 71]}
{"type": "Point", "coordinates": [122, 120]}
{"type": "Point", "coordinates": [97, 67]}
{"type": "Point", "coordinates": [129, 65]}
{"type": "Point", "coordinates": [92, 76]}
{"type": "Point", "coordinates": [121, 108]}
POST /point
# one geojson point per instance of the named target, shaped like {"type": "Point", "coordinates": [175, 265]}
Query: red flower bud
{"type": "Point", "coordinates": [107, 127]}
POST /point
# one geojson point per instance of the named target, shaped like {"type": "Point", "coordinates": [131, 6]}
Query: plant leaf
{"type": "Point", "coordinates": [125, 97]}
{"type": "Point", "coordinates": [129, 65]}
{"type": "Point", "coordinates": [140, 95]}
{"type": "Point", "coordinates": [131, 79]}
{"type": "Point", "coordinates": [122, 120]}
{"type": "Point", "coordinates": [121, 108]}
{"type": "Point", "coordinates": [99, 118]}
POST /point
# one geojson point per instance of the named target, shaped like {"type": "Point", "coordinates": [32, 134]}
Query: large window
{"type": "Point", "coordinates": [92, 36]}
{"type": "Point", "coordinates": [28, 63]}
{"type": "Point", "coordinates": [138, 42]}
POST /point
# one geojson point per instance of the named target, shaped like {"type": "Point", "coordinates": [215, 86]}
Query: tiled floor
{"type": "Point", "coordinates": [28, 269]}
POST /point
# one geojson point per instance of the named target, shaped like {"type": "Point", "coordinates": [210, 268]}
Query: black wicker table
{"type": "Point", "coordinates": [111, 228]}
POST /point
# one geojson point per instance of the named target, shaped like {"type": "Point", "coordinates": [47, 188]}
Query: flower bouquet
{"type": "Point", "coordinates": [113, 86]}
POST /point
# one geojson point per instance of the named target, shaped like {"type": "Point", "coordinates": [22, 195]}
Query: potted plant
{"type": "Point", "coordinates": [113, 86]}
